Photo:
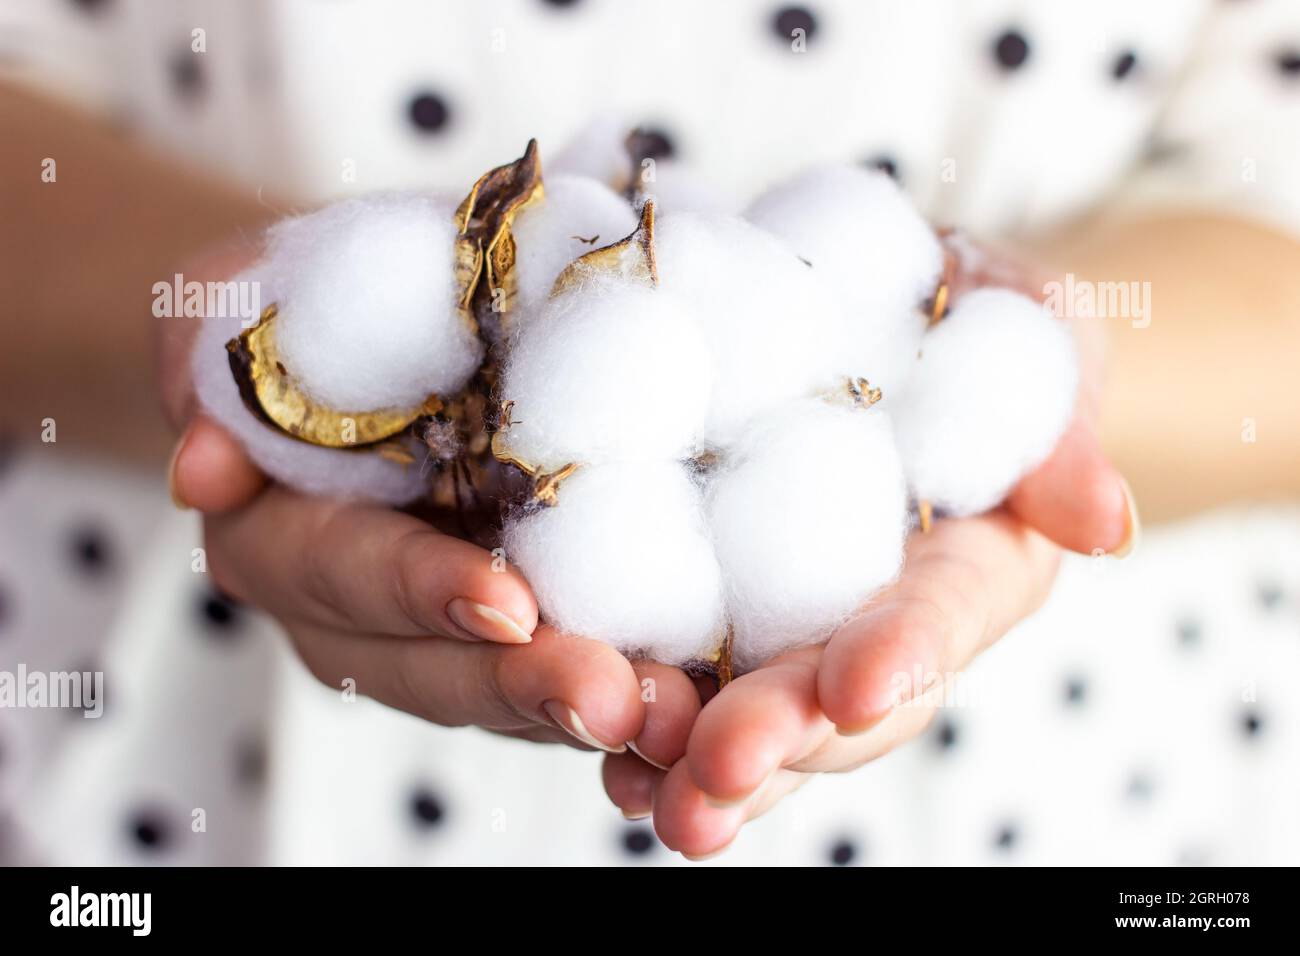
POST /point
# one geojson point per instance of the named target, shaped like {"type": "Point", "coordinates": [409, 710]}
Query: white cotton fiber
{"type": "Point", "coordinates": [809, 517]}
{"type": "Point", "coordinates": [610, 370]}
{"type": "Point", "coordinates": [624, 558]}
{"type": "Point", "coordinates": [575, 216]}
{"type": "Point", "coordinates": [329, 472]}
{"type": "Point", "coordinates": [367, 314]}
{"type": "Point", "coordinates": [991, 395]}
{"type": "Point", "coordinates": [774, 332]}
{"type": "Point", "coordinates": [881, 260]}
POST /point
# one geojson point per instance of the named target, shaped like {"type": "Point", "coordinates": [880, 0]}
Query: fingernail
{"type": "Point", "coordinates": [1134, 526]}
{"type": "Point", "coordinates": [172, 489]}
{"type": "Point", "coordinates": [567, 718]}
{"type": "Point", "coordinates": [486, 623]}
{"type": "Point", "coordinates": [631, 745]}
{"type": "Point", "coordinates": [635, 814]}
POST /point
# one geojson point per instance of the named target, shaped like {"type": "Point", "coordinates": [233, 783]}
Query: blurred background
{"type": "Point", "coordinates": [1142, 717]}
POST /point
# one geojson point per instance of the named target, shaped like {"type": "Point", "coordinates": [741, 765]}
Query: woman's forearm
{"type": "Point", "coordinates": [1202, 398]}
{"type": "Point", "coordinates": [82, 242]}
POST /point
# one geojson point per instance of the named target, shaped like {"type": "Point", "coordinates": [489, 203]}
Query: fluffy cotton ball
{"type": "Point", "coordinates": [330, 472]}
{"type": "Point", "coordinates": [869, 244]}
{"type": "Point", "coordinates": [624, 558]}
{"type": "Point", "coordinates": [808, 518]}
{"type": "Point", "coordinates": [609, 370]}
{"type": "Point", "coordinates": [991, 395]}
{"type": "Point", "coordinates": [575, 216]}
{"type": "Point", "coordinates": [775, 333]}
{"type": "Point", "coordinates": [367, 315]}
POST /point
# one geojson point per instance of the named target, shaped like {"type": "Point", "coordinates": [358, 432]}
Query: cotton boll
{"type": "Point", "coordinates": [859, 230]}
{"type": "Point", "coordinates": [992, 394]}
{"type": "Point", "coordinates": [624, 558]}
{"type": "Point", "coordinates": [809, 517]}
{"type": "Point", "coordinates": [367, 308]}
{"type": "Point", "coordinates": [575, 216]}
{"type": "Point", "coordinates": [774, 331]}
{"type": "Point", "coordinates": [609, 370]}
{"type": "Point", "coordinates": [877, 254]}
{"type": "Point", "coordinates": [329, 472]}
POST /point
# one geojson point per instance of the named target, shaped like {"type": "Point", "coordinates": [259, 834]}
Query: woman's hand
{"type": "Point", "coordinates": [833, 708]}
{"type": "Point", "coordinates": [417, 619]}
{"type": "Point", "coordinates": [420, 621]}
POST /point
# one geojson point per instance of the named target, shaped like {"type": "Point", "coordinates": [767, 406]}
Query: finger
{"type": "Point", "coordinates": [1078, 498]}
{"type": "Point", "coordinates": [363, 568]}
{"type": "Point", "coordinates": [672, 704]}
{"type": "Point", "coordinates": [840, 753]}
{"type": "Point", "coordinates": [755, 725]}
{"type": "Point", "coordinates": [630, 783]}
{"type": "Point", "coordinates": [964, 585]}
{"type": "Point", "coordinates": [209, 470]}
{"type": "Point", "coordinates": [687, 822]}
{"type": "Point", "coordinates": [583, 688]}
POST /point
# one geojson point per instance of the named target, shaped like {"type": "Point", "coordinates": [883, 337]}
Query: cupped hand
{"type": "Point", "coordinates": [417, 619]}
{"type": "Point", "coordinates": [707, 766]}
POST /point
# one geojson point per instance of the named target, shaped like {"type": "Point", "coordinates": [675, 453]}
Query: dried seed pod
{"type": "Point", "coordinates": [485, 247]}
{"type": "Point", "coordinates": [632, 257]}
{"type": "Point", "coordinates": [270, 392]}
{"type": "Point", "coordinates": [563, 427]}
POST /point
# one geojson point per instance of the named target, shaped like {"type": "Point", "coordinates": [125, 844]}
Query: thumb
{"type": "Point", "coordinates": [209, 470]}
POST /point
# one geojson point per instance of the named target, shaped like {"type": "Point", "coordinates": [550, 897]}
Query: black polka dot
{"type": "Point", "coordinates": [787, 20]}
{"type": "Point", "coordinates": [560, 3]}
{"type": "Point", "coordinates": [1159, 151]}
{"type": "Point", "coordinates": [149, 830]}
{"type": "Point", "coordinates": [428, 112]}
{"type": "Point", "coordinates": [843, 852]}
{"type": "Point", "coordinates": [1011, 50]}
{"type": "Point", "coordinates": [1252, 724]}
{"type": "Point", "coordinates": [885, 163]}
{"type": "Point", "coordinates": [250, 762]}
{"type": "Point", "coordinates": [638, 841]}
{"type": "Point", "coordinates": [426, 809]}
{"type": "Point", "coordinates": [186, 72]}
{"type": "Point", "coordinates": [220, 615]}
{"type": "Point", "coordinates": [1288, 63]}
{"type": "Point", "coordinates": [1139, 787]}
{"type": "Point", "coordinates": [1189, 632]}
{"type": "Point", "coordinates": [1006, 837]}
{"type": "Point", "coordinates": [1124, 65]}
{"type": "Point", "coordinates": [92, 554]}
{"type": "Point", "coordinates": [87, 669]}
{"type": "Point", "coordinates": [649, 142]}
{"type": "Point", "coordinates": [91, 6]}
{"type": "Point", "coordinates": [1076, 691]}
{"type": "Point", "coordinates": [1269, 595]}
{"type": "Point", "coordinates": [945, 734]}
